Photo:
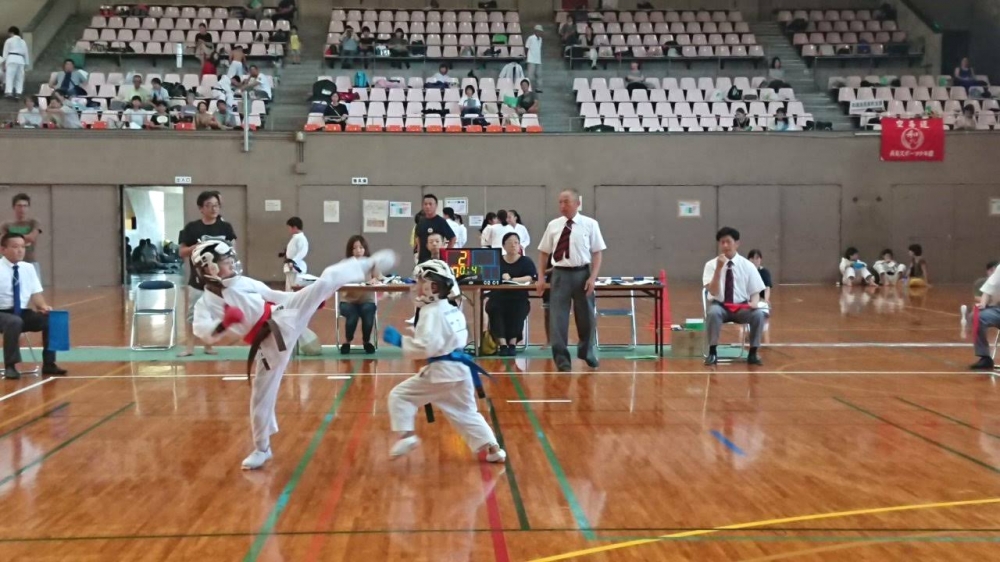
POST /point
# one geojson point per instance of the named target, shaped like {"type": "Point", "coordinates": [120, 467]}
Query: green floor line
{"type": "Point", "coordinates": [574, 505]}
{"type": "Point", "coordinates": [37, 418]}
{"type": "Point", "coordinates": [918, 436]}
{"type": "Point", "coordinates": [949, 418]}
{"type": "Point", "coordinates": [515, 490]}
{"type": "Point", "coordinates": [65, 444]}
{"type": "Point", "coordinates": [267, 529]}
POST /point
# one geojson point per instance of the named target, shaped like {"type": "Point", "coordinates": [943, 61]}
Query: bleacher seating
{"type": "Point", "coordinates": [834, 33]}
{"type": "Point", "coordinates": [646, 34]}
{"type": "Point", "coordinates": [685, 104]}
{"type": "Point", "coordinates": [402, 109]}
{"type": "Point", "coordinates": [446, 34]}
{"type": "Point", "coordinates": [102, 88]}
{"type": "Point", "coordinates": [158, 33]}
{"type": "Point", "coordinates": [915, 96]}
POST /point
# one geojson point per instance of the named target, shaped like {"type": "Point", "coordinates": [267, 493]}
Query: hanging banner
{"type": "Point", "coordinates": [912, 140]}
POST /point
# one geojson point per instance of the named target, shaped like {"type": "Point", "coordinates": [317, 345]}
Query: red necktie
{"type": "Point", "coordinates": [562, 248]}
{"type": "Point", "coordinates": [729, 283]}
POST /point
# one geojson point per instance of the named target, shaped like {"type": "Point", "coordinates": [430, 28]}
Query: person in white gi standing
{"type": "Point", "coordinates": [15, 57]}
{"type": "Point", "coordinates": [533, 48]}
{"type": "Point", "coordinates": [295, 253]}
{"type": "Point", "coordinates": [270, 321]}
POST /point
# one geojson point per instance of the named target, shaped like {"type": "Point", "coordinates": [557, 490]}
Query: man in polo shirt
{"type": "Point", "coordinates": [988, 316]}
{"type": "Point", "coordinates": [22, 308]}
{"type": "Point", "coordinates": [26, 226]}
{"type": "Point", "coordinates": [575, 244]}
{"type": "Point", "coordinates": [432, 223]}
{"type": "Point", "coordinates": [734, 285]}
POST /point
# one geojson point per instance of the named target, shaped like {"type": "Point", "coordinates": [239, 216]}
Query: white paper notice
{"type": "Point", "coordinates": [400, 209]}
{"type": "Point", "coordinates": [376, 216]}
{"type": "Point", "coordinates": [271, 205]}
{"type": "Point", "coordinates": [331, 211]}
{"type": "Point", "coordinates": [459, 204]}
{"type": "Point", "coordinates": [475, 220]}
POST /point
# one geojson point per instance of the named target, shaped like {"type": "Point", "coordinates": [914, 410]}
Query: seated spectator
{"type": "Point", "coordinates": [399, 48]}
{"type": "Point", "coordinates": [635, 80]}
{"type": "Point", "coordinates": [887, 270]}
{"type": "Point", "coordinates": [336, 112]}
{"type": "Point", "coordinates": [853, 271]}
{"type": "Point", "coordinates": [776, 74]}
{"type": "Point", "coordinates": [918, 267]}
{"type": "Point", "coordinates": [967, 120]}
{"type": "Point", "coordinates": [135, 116]}
{"type": "Point", "coordinates": [990, 269]}
{"type": "Point", "coordinates": [527, 102]}
{"type": "Point", "coordinates": [62, 114]}
{"type": "Point", "coordinates": [366, 44]}
{"type": "Point", "coordinates": [358, 305]}
{"type": "Point", "coordinates": [29, 117]}
{"type": "Point", "coordinates": [781, 121]}
{"type": "Point", "coordinates": [257, 85]}
{"type": "Point", "coordinates": [965, 75]}
{"type": "Point", "coordinates": [159, 119]}
{"type": "Point", "coordinates": [187, 112]}
{"type": "Point", "coordinates": [158, 93]}
{"type": "Point", "coordinates": [204, 119]}
{"type": "Point", "coordinates": [203, 46]}
{"type": "Point", "coordinates": [25, 311]}
{"type": "Point", "coordinates": [583, 46]}
{"type": "Point", "coordinates": [253, 8]}
{"type": "Point", "coordinates": [756, 257]}
{"type": "Point", "coordinates": [441, 79]}
{"type": "Point", "coordinates": [210, 66]}
{"type": "Point", "coordinates": [348, 48]}
{"type": "Point", "coordinates": [741, 122]}
{"type": "Point", "coordinates": [71, 81]}
{"type": "Point", "coordinates": [135, 89]}
{"type": "Point", "coordinates": [509, 309]}
{"type": "Point", "coordinates": [567, 33]}
{"type": "Point", "coordinates": [226, 118]}
{"type": "Point", "coordinates": [286, 11]}
{"type": "Point", "coordinates": [471, 108]}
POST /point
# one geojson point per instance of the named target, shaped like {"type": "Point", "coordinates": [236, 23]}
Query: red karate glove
{"type": "Point", "coordinates": [232, 316]}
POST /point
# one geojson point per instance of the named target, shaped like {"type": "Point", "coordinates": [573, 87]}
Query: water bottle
{"type": "Point", "coordinates": [964, 310]}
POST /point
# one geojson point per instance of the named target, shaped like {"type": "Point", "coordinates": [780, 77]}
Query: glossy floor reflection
{"type": "Point", "coordinates": [863, 438]}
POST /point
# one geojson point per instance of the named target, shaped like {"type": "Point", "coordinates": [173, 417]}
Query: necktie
{"type": "Point", "coordinates": [562, 248]}
{"type": "Point", "coordinates": [16, 291]}
{"type": "Point", "coordinates": [729, 283]}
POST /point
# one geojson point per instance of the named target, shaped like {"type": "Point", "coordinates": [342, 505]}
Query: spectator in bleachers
{"type": "Point", "coordinates": [366, 45]}
{"type": "Point", "coordinates": [70, 81]}
{"type": "Point", "coordinates": [210, 66]}
{"type": "Point", "coordinates": [226, 118]}
{"type": "Point", "coordinates": [471, 108]}
{"type": "Point", "coordinates": [203, 46]}
{"type": "Point", "coordinates": [441, 79]}
{"type": "Point", "coordinates": [188, 111]}
{"type": "Point", "coordinates": [533, 50]}
{"type": "Point", "coordinates": [205, 120]}
{"type": "Point", "coordinates": [286, 11]}
{"type": "Point", "coordinates": [399, 48]}
{"type": "Point", "coordinates": [635, 80]}
{"type": "Point", "coordinates": [158, 93]}
{"type": "Point", "coordinates": [62, 114]}
{"type": "Point", "coordinates": [29, 117]}
{"type": "Point", "coordinates": [133, 90]}
{"type": "Point", "coordinates": [584, 47]}
{"type": "Point", "coordinates": [967, 120]}
{"type": "Point", "coordinates": [253, 8]}
{"type": "Point", "coordinates": [159, 119]}
{"type": "Point", "coordinates": [295, 46]}
{"type": "Point", "coordinates": [965, 75]}
{"type": "Point", "coordinates": [777, 75]}
{"type": "Point", "coordinates": [741, 122]}
{"type": "Point", "coordinates": [236, 66]}
{"type": "Point", "coordinates": [567, 33]}
{"type": "Point", "coordinates": [15, 59]}
{"type": "Point", "coordinates": [527, 102]}
{"type": "Point", "coordinates": [782, 122]}
{"type": "Point", "coordinates": [257, 85]}
{"type": "Point", "coordinates": [336, 112]}
{"type": "Point", "coordinates": [348, 48]}
{"type": "Point", "coordinates": [135, 116]}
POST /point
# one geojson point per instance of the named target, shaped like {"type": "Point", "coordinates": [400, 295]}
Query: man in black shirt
{"type": "Point", "coordinates": [432, 223]}
{"type": "Point", "coordinates": [209, 227]}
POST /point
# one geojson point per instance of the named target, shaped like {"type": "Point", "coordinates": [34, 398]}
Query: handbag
{"type": "Point", "coordinates": [487, 345]}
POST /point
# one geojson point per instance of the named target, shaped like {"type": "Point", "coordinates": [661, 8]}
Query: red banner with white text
{"type": "Point", "coordinates": [912, 140]}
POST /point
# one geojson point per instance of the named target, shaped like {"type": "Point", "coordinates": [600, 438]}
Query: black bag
{"type": "Point", "coordinates": [322, 90]}
{"type": "Point", "coordinates": [734, 94]}
{"type": "Point", "coordinates": [174, 89]}
{"type": "Point", "coordinates": [797, 26]}
{"type": "Point", "coordinates": [418, 49]}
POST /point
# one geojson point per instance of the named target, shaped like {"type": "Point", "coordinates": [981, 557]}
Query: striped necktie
{"type": "Point", "coordinates": [562, 247]}
{"type": "Point", "coordinates": [16, 290]}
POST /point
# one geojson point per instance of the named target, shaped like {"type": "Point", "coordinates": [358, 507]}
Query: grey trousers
{"type": "Point", "coordinates": [568, 288]}
{"type": "Point", "coordinates": [988, 318]}
{"type": "Point", "coordinates": [718, 315]}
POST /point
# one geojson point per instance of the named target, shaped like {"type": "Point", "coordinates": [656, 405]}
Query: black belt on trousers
{"type": "Point", "coordinates": [577, 268]}
{"type": "Point", "coordinates": [270, 328]}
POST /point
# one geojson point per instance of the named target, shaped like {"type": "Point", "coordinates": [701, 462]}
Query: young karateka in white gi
{"type": "Point", "coordinates": [15, 59]}
{"type": "Point", "coordinates": [449, 379]}
{"type": "Point", "coordinates": [270, 321]}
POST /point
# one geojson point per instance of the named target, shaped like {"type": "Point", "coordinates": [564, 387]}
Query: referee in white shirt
{"type": "Point", "coordinates": [22, 307]}
{"type": "Point", "coordinates": [575, 244]}
{"type": "Point", "coordinates": [734, 285]}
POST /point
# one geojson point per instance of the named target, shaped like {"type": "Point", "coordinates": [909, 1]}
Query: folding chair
{"type": "Point", "coordinates": [37, 369]}
{"type": "Point", "coordinates": [744, 342]}
{"type": "Point", "coordinates": [336, 323]}
{"type": "Point", "coordinates": [151, 290]}
{"type": "Point", "coordinates": [620, 313]}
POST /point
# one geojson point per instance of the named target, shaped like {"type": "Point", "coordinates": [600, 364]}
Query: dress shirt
{"type": "Point", "coordinates": [30, 284]}
{"type": "Point", "coordinates": [991, 287]}
{"type": "Point", "coordinates": [584, 240]}
{"type": "Point", "coordinates": [746, 279]}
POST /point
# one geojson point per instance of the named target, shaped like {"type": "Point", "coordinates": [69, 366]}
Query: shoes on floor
{"type": "Point", "coordinates": [256, 459]}
{"type": "Point", "coordinates": [345, 348]}
{"type": "Point", "coordinates": [369, 348]}
{"type": "Point", "coordinates": [498, 457]}
{"type": "Point", "coordinates": [754, 359]}
{"type": "Point", "coordinates": [404, 445]}
{"type": "Point", "coordinates": [712, 359]}
{"type": "Point", "coordinates": [11, 372]}
{"type": "Point", "coordinates": [53, 370]}
{"type": "Point", "coordinates": [984, 364]}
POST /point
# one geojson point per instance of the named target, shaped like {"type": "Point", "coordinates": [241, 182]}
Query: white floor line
{"type": "Point", "coordinates": [234, 378]}
{"type": "Point", "coordinates": [338, 377]}
{"type": "Point", "coordinates": [25, 389]}
{"type": "Point", "coordinates": [869, 344]}
{"type": "Point", "coordinates": [539, 401]}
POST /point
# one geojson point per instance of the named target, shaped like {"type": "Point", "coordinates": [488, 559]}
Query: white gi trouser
{"type": "Point", "coordinates": [456, 400]}
{"type": "Point", "coordinates": [14, 67]}
{"type": "Point", "coordinates": [292, 318]}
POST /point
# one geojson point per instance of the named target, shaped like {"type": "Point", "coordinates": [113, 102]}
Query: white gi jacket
{"type": "Point", "coordinates": [440, 330]}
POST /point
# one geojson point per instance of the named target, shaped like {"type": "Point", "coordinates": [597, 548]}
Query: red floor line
{"type": "Point", "coordinates": [493, 514]}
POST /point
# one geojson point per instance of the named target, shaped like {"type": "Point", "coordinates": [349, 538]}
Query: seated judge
{"type": "Point", "coordinates": [734, 286]}
{"type": "Point", "coordinates": [509, 309]}
{"type": "Point", "coordinates": [22, 307]}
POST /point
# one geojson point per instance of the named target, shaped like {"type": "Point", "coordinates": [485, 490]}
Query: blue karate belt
{"type": "Point", "coordinates": [475, 370]}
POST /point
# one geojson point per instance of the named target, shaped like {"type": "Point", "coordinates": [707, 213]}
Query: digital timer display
{"type": "Point", "coordinates": [481, 262]}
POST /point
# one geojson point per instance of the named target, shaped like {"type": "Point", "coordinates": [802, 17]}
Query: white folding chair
{"type": "Point", "coordinates": [619, 313]}
{"type": "Point", "coordinates": [744, 342]}
{"type": "Point", "coordinates": [147, 291]}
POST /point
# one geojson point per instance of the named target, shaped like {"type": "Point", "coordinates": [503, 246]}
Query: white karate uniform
{"type": "Point", "coordinates": [848, 273]}
{"type": "Point", "coordinates": [889, 269]}
{"type": "Point", "coordinates": [15, 56]}
{"type": "Point", "coordinates": [445, 384]}
{"type": "Point", "coordinates": [292, 313]}
{"type": "Point", "coordinates": [297, 249]}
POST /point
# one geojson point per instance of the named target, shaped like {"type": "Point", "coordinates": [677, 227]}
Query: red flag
{"type": "Point", "coordinates": [912, 140]}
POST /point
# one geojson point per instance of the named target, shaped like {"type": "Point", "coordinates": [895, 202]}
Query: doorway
{"type": "Point", "coordinates": [152, 219]}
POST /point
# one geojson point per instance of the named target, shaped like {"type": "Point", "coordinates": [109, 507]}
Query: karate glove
{"type": "Point", "coordinates": [392, 336]}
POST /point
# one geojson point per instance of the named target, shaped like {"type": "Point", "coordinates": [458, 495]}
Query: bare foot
{"type": "Point", "coordinates": [185, 353]}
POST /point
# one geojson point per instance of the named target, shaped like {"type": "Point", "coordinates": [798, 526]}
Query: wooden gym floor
{"type": "Point", "coordinates": [863, 438]}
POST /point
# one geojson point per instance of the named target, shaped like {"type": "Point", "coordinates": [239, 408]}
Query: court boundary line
{"type": "Point", "coordinates": [725, 441]}
{"type": "Point", "coordinates": [43, 405]}
{"type": "Point", "coordinates": [949, 418]}
{"type": "Point", "coordinates": [26, 388]}
{"type": "Point", "coordinates": [515, 490]}
{"type": "Point", "coordinates": [33, 420]}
